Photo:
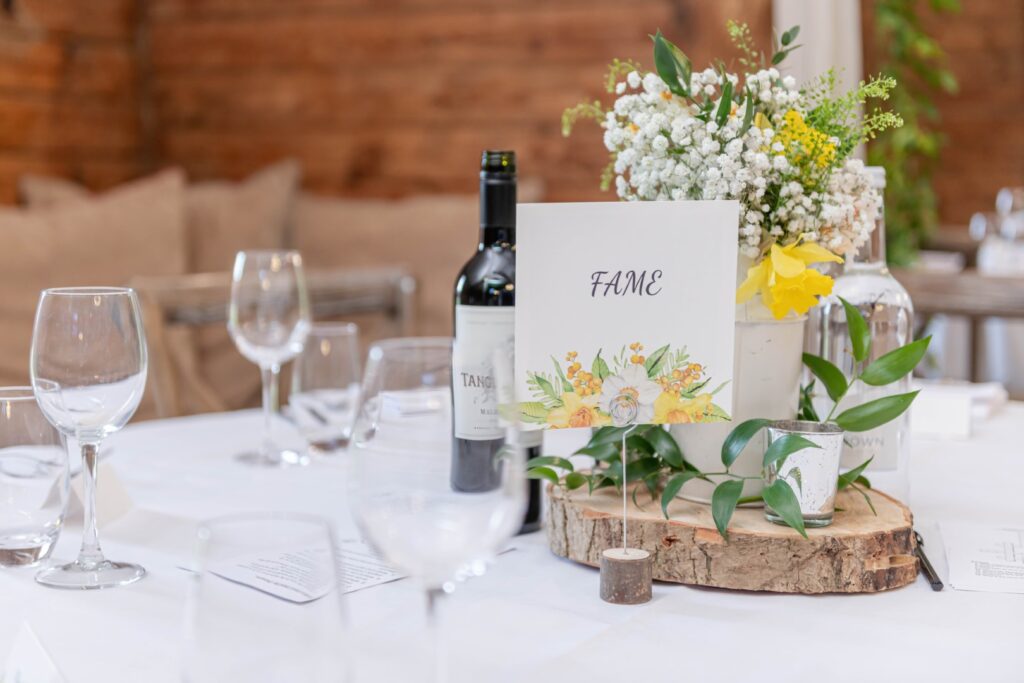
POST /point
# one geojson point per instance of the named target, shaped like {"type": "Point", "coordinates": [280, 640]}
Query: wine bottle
{"type": "Point", "coordinates": [485, 297]}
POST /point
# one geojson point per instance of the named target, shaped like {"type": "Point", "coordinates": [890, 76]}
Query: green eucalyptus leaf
{"type": "Point", "coordinates": [666, 447]}
{"type": "Point", "coordinates": [672, 487]}
{"type": "Point", "coordinates": [574, 480]}
{"type": "Point", "coordinates": [543, 460]}
{"type": "Point", "coordinates": [725, 106]}
{"type": "Point", "coordinates": [875, 413]}
{"type": "Point", "coordinates": [860, 337]}
{"type": "Point", "coordinates": [739, 438]}
{"type": "Point", "coordinates": [723, 504]}
{"type": "Point", "coordinates": [847, 478]}
{"type": "Point", "coordinates": [654, 361]}
{"type": "Point", "coordinates": [807, 411]}
{"type": "Point", "coordinates": [566, 387]}
{"type": "Point", "coordinates": [867, 498]}
{"type": "Point", "coordinates": [542, 473]}
{"type": "Point", "coordinates": [608, 435]}
{"type": "Point", "coordinates": [668, 65]}
{"type": "Point", "coordinates": [599, 368]}
{"type": "Point", "coordinates": [604, 452]}
{"type": "Point", "coordinates": [784, 446]}
{"type": "Point", "coordinates": [831, 376]}
{"type": "Point", "coordinates": [790, 35]}
{"type": "Point", "coordinates": [748, 114]}
{"type": "Point", "coordinates": [548, 390]}
{"type": "Point", "coordinates": [640, 444]}
{"type": "Point", "coordinates": [896, 364]}
{"type": "Point", "coordinates": [779, 497]}
{"type": "Point", "coordinates": [641, 468]}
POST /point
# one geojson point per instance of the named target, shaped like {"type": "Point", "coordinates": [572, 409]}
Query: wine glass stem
{"type": "Point", "coordinates": [270, 375]}
{"type": "Point", "coordinates": [435, 639]}
{"type": "Point", "coordinates": [90, 554]}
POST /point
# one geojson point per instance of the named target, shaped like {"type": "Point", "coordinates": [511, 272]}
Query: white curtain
{"type": "Point", "coordinates": [830, 38]}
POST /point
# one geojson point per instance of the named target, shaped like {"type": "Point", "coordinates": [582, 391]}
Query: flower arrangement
{"type": "Point", "coordinates": [782, 150]}
{"type": "Point", "coordinates": [665, 386]}
{"type": "Point", "coordinates": [655, 461]}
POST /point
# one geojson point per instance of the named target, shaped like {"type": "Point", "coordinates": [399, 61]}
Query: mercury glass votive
{"type": "Point", "coordinates": [812, 473]}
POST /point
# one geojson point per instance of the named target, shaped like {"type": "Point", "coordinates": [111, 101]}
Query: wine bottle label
{"type": "Point", "coordinates": [479, 332]}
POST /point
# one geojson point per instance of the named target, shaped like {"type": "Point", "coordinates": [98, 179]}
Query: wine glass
{"type": "Point", "coordinates": [88, 367]}
{"type": "Point", "coordinates": [325, 386]}
{"type": "Point", "coordinates": [400, 479]}
{"type": "Point", "coordinates": [269, 319]}
{"type": "Point", "coordinates": [238, 629]}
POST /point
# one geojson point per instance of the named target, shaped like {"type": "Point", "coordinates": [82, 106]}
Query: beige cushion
{"type": "Point", "coordinates": [137, 229]}
{"type": "Point", "coordinates": [223, 217]}
{"type": "Point", "coordinates": [432, 236]}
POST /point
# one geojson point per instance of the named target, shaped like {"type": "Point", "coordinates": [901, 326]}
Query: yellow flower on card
{"type": "Point", "coordinates": [577, 412]}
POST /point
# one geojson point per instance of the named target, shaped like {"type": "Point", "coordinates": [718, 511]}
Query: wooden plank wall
{"type": "Point", "coordinates": [398, 97]}
{"type": "Point", "coordinates": [68, 95]}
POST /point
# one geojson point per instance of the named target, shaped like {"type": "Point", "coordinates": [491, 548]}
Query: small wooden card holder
{"type": "Point", "coordinates": [626, 576]}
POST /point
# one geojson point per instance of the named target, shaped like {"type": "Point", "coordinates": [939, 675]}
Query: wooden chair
{"type": "Point", "coordinates": [182, 302]}
{"type": "Point", "coordinates": [968, 294]}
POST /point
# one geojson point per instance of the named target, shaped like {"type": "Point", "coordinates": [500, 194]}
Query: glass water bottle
{"type": "Point", "coordinates": [867, 284]}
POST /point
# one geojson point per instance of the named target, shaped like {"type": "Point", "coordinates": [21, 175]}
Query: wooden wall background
{"type": "Point", "coordinates": [397, 97]}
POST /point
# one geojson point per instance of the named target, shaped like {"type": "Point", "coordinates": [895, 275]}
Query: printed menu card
{"type": "Point", "coordinates": [625, 312]}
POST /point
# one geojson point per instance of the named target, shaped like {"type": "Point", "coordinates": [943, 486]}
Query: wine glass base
{"type": "Point", "coordinates": [277, 458]}
{"type": "Point", "coordinates": [104, 574]}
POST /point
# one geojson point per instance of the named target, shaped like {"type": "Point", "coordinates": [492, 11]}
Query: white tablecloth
{"type": "Point", "coordinates": [534, 617]}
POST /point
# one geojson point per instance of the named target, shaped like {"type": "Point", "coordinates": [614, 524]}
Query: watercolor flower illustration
{"type": "Point", "coordinates": [666, 386]}
{"type": "Point", "coordinates": [634, 383]}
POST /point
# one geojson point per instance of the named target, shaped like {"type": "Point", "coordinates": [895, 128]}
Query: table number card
{"type": "Point", "coordinates": [628, 298]}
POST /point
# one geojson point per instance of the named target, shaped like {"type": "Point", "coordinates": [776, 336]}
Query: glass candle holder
{"type": "Point", "coordinates": [812, 473]}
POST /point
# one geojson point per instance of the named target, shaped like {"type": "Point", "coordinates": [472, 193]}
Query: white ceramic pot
{"type": "Point", "coordinates": [766, 383]}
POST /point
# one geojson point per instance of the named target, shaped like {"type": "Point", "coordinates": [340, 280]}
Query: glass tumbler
{"type": "Point", "coordinates": [325, 386]}
{"type": "Point", "coordinates": [812, 473]}
{"type": "Point", "coordinates": [33, 479]}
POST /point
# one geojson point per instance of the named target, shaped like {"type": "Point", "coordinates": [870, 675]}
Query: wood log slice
{"type": "Point", "coordinates": [859, 553]}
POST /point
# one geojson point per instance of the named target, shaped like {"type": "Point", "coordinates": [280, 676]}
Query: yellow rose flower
{"type": "Point", "coordinates": [784, 280]}
{"type": "Point", "coordinates": [577, 412]}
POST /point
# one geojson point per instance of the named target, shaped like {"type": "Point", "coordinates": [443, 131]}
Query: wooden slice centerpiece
{"type": "Point", "coordinates": [859, 553]}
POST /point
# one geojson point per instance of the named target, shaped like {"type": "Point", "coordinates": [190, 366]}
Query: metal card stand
{"type": "Point", "coordinates": [625, 572]}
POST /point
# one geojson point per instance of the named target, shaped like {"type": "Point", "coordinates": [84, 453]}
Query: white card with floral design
{"type": "Point", "coordinates": [625, 312]}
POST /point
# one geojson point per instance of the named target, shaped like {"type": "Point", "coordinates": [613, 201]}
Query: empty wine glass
{"type": "Point", "coordinates": [325, 386]}
{"type": "Point", "coordinates": [401, 460]}
{"type": "Point", "coordinates": [88, 366]}
{"type": "Point", "coordinates": [264, 602]}
{"type": "Point", "coordinates": [269, 319]}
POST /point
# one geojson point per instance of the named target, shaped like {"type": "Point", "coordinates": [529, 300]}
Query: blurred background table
{"type": "Point", "coordinates": [533, 616]}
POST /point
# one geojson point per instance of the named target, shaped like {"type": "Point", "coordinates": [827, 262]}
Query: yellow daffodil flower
{"type": "Point", "coordinates": [669, 408]}
{"type": "Point", "coordinates": [577, 412]}
{"type": "Point", "coordinates": [784, 280]}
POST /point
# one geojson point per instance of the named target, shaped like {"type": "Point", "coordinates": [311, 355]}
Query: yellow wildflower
{"type": "Point", "coordinates": [784, 280]}
{"type": "Point", "coordinates": [802, 143]}
{"type": "Point", "coordinates": [577, 412]}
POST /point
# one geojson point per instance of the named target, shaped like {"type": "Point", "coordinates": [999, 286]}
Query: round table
{"type": "Point", "coordinates": [533, 617]}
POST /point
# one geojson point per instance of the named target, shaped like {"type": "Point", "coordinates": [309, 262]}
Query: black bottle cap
{"type": "Point", "coordinates": [498, 162]}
